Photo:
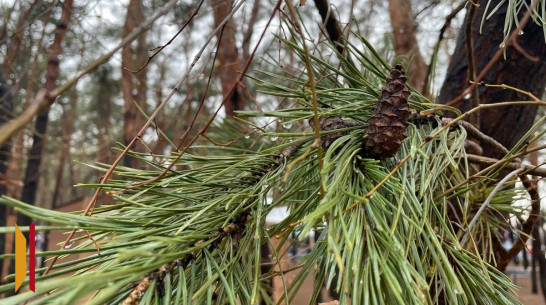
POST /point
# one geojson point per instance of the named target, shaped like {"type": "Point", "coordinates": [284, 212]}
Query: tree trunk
{"type": "Point", "coordinates": [6, 107]}
{"type": "Point", "coordinates": [405, 41]}
{"type": "Point", "coordinates": [32, 171]}
{"type": "Point", "coordinates": [538, 257]}
{"type": "Point", "coordinates": [228, 57]}
{"type": "Point", "coordinates": [133, 85]}
{"type": "Point", "coordinates": [505, 124]}
{"type": "Point", "coordinates": [67, 125]}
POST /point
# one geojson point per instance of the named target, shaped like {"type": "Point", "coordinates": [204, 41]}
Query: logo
{"type": "Point", "coordinates": [21, 258]}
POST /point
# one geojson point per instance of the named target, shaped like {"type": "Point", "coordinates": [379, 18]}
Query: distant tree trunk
{"type": "Point", "coordinates": [32, 171]}
{"type": "Point", "coordinates": [14, 50]}
{"type": "Point", "coordinates": [104, 94]}
{"type": "Point", "coordinates": [15, 166]}
{"type": "Point", "coordinates": [133, 85]}
{"type": "Point", "coordinates": [67, 123]}
{"type": "Point", "coordinates": [228, 57]}
{"type": "Point", "coordinates": [538, 257]}
{"type": "Point", "coordinates": [6, 107]}
{"type": "Point", "coordinates": [506, 124]}
{"type": "Point", "coordinates": [405, 41]}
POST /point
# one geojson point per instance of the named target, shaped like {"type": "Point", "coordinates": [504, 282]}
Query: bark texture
{"type": "Point", "coordinates": [133, 85]}
{"type": "Point", "coordinates": [228, 57]}
{"type": "Point", "coordinates": [505, 124]}
{"type": "Point", "coordinates": [405, 41]}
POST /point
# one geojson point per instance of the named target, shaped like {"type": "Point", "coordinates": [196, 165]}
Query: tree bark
{"type": "Point", "coordinates": [505, 124]}
{"type": "Point", "coordinates": [133, 85]}
{"type": "Point", "coordinates": [228, 57]}
{"type": "Point", "coordinates": [405, 41]}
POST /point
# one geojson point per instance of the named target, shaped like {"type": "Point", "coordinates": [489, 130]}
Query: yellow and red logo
{"type": "Point", "coordinates": [21, 258]}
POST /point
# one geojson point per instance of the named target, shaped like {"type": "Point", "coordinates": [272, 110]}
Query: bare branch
{"type": "Point", "coordinates": [446, 25]}
{"type": "Point", "coordinates": [530, 169]}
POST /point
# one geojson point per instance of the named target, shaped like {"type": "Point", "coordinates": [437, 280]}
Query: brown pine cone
{"type": "Point", "coordinates": [386, 128]}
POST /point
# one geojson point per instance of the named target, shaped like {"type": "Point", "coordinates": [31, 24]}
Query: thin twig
{"type": "Point", "coordinates": [493, 166]}
{"type": "Point", "coordinates": [483, 138]}
{"type": "Point", "coordinates": [446, 25]}
{"type": "Point", "coordinates": [525, 54]}
{"type": "Point", "coordinates": [530, 169]}
{"type": "Point", "coordinates": [159, 49]}
{"type": "Point", "coordinates": [504, 86]}
{"type": "Point", "coordinates": [204, 135]}
{"type": "Point", "coordinates": [487, 202]}
{"type": "Point", "coordinates": [311, 76]}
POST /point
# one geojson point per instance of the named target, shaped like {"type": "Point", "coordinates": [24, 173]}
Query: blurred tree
{"type": "Point", "coordinates": [228, 61]}
{"type": "Point", "coordinates": [134, 84]}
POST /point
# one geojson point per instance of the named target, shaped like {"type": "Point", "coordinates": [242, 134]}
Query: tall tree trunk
{"type": "Point", "coordinates": [405, 41]}
{"type": "Point", "coordinates": [133, 85]}
{"type": "Point", "coordinates": [506, 124]}
{"type": "Point", "coordinates": [6, 107]}
{"type": "Point", "coordinates": [32, 171]}
{"type": "Point", "coordinates": [67, 125]}
{"type": "Point", "coordinates": [228, 57]}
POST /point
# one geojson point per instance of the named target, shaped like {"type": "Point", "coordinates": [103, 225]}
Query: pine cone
{"type": "Point", "coordinates": [386, 129]}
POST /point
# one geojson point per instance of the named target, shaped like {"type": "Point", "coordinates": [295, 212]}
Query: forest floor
{"type": "Point", "coordinates": [525, 294]}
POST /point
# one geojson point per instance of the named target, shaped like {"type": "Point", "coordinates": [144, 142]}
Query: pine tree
{"type": "Point", "coordinates": [383, 213]}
